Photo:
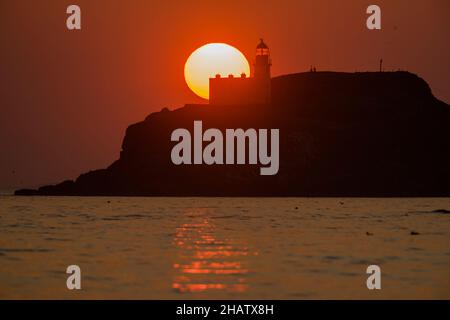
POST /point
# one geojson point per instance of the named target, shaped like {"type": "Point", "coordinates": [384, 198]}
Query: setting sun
{"type": "Point", "coordinates": [212, 59]}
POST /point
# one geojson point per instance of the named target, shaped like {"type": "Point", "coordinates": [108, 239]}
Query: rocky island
{"type": "Point", "coordinates": [375, 134]}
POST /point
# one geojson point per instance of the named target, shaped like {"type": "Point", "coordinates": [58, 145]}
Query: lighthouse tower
{"type": "Point", "coordinates": [262, 61]}
{"type": "Point", "coordinates": [262, 71]}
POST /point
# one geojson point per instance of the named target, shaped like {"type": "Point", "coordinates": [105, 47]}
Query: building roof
{"type": "Point", "coordinates": [262, 45]}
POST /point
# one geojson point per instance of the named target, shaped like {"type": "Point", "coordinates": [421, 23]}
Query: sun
{"type": "Point", "coordinates": [212, 59]}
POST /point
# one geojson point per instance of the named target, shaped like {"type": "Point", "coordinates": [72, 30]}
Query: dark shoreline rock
{"type": "Point", "coordinates": [443, 211]}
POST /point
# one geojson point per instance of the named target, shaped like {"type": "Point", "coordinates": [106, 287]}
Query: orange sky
{"type": "Point", "coordinates": [67, 96]}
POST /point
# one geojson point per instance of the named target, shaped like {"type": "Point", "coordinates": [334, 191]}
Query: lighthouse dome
{"type": "Point", "coordinates": [262, 49]}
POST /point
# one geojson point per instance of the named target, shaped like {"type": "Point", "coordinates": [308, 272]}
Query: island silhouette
{"type": "Point", "coordinates": [375, 134]}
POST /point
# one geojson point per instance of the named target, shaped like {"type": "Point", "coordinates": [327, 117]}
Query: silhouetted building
{"type": "Point", "coordinates": [244, 90]}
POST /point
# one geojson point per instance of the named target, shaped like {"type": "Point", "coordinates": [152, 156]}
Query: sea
{"type": "Point", "coordinates": [224, 248]}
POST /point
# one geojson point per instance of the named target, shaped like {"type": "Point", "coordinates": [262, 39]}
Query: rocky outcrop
{"type": "Point", "coordinates": [341, 134]}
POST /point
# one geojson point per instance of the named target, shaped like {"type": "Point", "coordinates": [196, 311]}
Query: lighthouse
{"type": "Point", "coordinates": [253, 90]}
{"type": "Point", "coordinates": [262, 71]}
{"type": "Point", "coordinates": [262, 61]}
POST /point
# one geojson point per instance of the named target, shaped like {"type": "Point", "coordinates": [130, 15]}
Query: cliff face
{"type": "Point", "coordinates": [341, 134]}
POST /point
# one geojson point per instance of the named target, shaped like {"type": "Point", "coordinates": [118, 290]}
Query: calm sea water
{"type": "Point", "coordinates": [246, 248]}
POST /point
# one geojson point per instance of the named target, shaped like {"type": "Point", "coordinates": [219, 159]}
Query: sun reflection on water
{"type": "Point", "coordinates": [207, 261]}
